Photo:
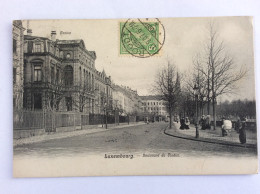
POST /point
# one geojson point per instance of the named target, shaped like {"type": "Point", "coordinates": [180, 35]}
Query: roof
{"type": "Point", "coordinates": [29, 37]}
{"type": "Point", "coordinates": [77, 41]}
{"type": "Point", "coordinates": [151, 97]}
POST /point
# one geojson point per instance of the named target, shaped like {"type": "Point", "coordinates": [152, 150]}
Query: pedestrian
{"type": "Point", "coordinates": [242, 132]}
{"type": "Point", "coordinates": [182, 123]}
{"type": "Point", "coordinates": [238, 125]}
{"type": "Point", "coordinates": [187, 123]}
{"type": "Point", "coordinates": [203, 122]}
{"type": "Point", "coordinates": [207, 122]}
{"type": "Point", "coordinates": [226, 127]}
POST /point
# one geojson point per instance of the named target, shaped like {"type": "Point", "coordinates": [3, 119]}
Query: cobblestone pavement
{"type": "Point", "coordinates": [145, 138]}
{"type": "Point", "coordinates": [232, 137]}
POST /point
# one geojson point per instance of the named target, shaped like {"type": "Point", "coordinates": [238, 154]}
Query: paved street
{"type": "Point", "coordinates": [135, 140]}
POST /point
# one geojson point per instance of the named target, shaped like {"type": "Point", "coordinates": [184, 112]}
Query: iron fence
{"type": "Point", "coordinates": [48, 120]}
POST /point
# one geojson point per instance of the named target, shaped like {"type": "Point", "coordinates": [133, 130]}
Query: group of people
{"type": "Point", "coordinates": [226, 126]}
{"type": "Point", "coordinates": [185, 123]}
{"type": "Point", "coordinates": [205, 122]}
{"type": "Point", "coordinates": [240, 127]}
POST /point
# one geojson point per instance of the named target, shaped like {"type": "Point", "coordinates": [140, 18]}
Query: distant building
{"type": "Point", "coordinates": [61, 75]}
{"type": "Point", "coordinates": [18, 38]}
{"type": "Point", "coordinates": [127, 100]}
{"type": "Point", "coordinates": [154, 105]}
{"type": "Point", "coordinates": [103, 93]}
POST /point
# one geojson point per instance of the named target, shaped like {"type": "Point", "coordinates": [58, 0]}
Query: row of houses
{"type": "Point", "coordinates": [60, 75]}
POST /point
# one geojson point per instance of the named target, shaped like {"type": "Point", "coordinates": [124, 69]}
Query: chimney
{"type": "Point", "coordinates": [53, 35]}
{"type": "Point", "coordinates": [29, 32]}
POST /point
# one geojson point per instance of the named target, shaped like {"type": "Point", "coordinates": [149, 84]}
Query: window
{"type": "Point", "coordinates": [52, 75]}
{"type": "Point", "coordinates": [25, 47]}
{"type": "Point", "coordinates": [37, 48]}
{"type": "Point", "coordinates": [69, 103]}
{"type": "Point", "coordinates": [81, 102]}
{"type": "Point", "coordinates": [14, 75]}
{"type": "Point", "coordinates": [37, 101]}
{"type": "Point", "coordinates": [80, 76]}
{"type": "Point", "coordinates": [68, 55]}
{"type": "Point", "coordinates": [51, 49]}
{"type": "Point", "coordinates": [37, 72]}
{"type": "Point", "coordinates": [14, 46]}
{"type": "Point", "coordinates": [52, 100]}
{"type": "Point", "coordinates": [58, 76]}
{"type": "Point", "coordinates": [68, 75]}
{"type": "Point", "coordinates": [57, 52]}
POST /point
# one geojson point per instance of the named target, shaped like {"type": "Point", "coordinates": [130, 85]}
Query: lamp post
{"type": "Point", "coordinates": [105, 112]}
{"type": "Point", "coordinates": [196, 92]}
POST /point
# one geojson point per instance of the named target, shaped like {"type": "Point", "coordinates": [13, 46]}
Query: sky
{"type": "Point", "coordinates": [184, 38]}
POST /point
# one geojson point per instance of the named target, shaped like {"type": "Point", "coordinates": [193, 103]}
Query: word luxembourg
{"type": "Point", "coordinates": [130, 156]}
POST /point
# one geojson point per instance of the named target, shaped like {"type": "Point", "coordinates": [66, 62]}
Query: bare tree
{"type": "Point", "coordinates": [167, 84]}
{"type": "Point", "coordinates": [222, 73]}
{"type": "Point", "coordinates": [200, 78]}
{"type": "Point", "coordinates": [84, 92]}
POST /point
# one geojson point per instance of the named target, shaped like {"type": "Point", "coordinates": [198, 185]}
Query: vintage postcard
{"type": "Point", "coordinates": [137, 96]}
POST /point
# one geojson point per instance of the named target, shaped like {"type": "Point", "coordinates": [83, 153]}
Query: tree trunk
{"type": "Point", "coordinates": [208, 90]}
{"type": "Point", "coordinates": [214, 112]}
{"type": "Point", "coordinates": [170, 112]}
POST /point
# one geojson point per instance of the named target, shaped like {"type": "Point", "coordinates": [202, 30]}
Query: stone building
{"type": "Point", "coordinates": [154, 105]}
{"type": "Point", "coordinates": [127, 100]}
{"type": "Point", "coordinates": [61, 75]}
{"type": "Point", "coordinates": [103, 93]}
{"type": "Point", "coordinates": [18, 38]}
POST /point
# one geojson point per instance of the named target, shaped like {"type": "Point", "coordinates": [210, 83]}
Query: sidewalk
{"type": "Point", "coordinates": [212, 136]}
{"type": "Point", "coordinates": [60, 135]}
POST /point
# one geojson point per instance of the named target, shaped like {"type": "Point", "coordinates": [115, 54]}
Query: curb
{"type": "Point", "coordinates": [207, 140]}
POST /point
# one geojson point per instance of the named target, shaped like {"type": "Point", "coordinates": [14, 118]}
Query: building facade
{"type": "Point", "coordinates": [154, 105]}
{"type": "Point", "coordinates": [61, 75]}
{"type": "Point", "coordinates": [18, 38]}
{"type": "Point", "coordinates": [127, 100]}
{"type": "Point", "coordinates": [103, 92]}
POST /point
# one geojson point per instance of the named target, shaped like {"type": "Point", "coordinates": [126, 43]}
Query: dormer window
{"type": "Point", "coordinates": [57, 52]}
{"type": "Point", "coordinates": [51, 50]}
{"type": "Point", "coordinates": [37, 48]}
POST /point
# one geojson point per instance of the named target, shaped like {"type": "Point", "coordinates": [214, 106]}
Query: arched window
{"type": "Point", "coordinates": [68, 75]}
{"type": "Point", "coordinates": [80, 76]}
{"type": "Point", "coordinates": [84, 77]}
{"type": "Point", "coordinates": [89, 80]}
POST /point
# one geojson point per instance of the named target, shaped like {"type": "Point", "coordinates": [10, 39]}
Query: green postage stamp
{"type": "Point", "coordinates": [141, 37]}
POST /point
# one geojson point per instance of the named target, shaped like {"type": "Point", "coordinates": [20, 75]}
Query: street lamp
{"type": "Point", "coordinates": [196, 92]}
{"type": "Point", "coordinates": [105, 112]}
